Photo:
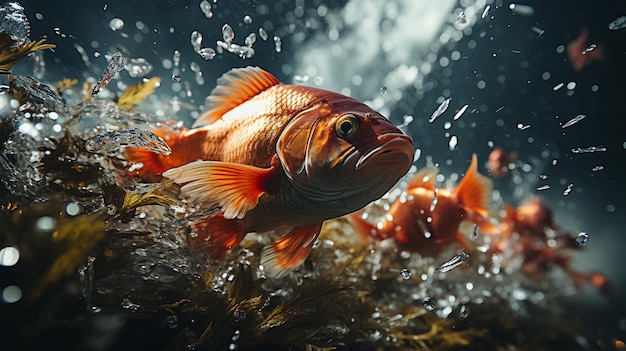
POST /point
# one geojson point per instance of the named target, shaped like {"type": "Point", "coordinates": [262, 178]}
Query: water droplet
{"type": "Point", "coordinates": [376, 335]}
{"type": "Point", "coordinates": [463, 311]}
{"type": "Point", "coordinates": [277, 44]}
{"type": "Point", "coordinates": [111, 209]}
{"type": "Point", "coordinates": [227, 33]}
{"type": "Point", "coordinates": [429, 304]}
{"type": "Point", "coordinates": [263, 34]}
{"type": "Point", "coordinates": [176, 77]}
{"type": "Point", "coordinates": [115, 65]}
{"type": "Point", "coordinates": [9, 256]}
{"type": "Point", "coordinates": [582, 239]}
{"type": "Point", "coordinates": [116, 24]}
{"type": "Point", "coordinates": [568, 189]}
{"type": "Point", "coordinates": [453, 262]}
{"type": "Point", "coordinates": [461, 18]}
{"type": "Point", "coordinates": [46, 224]}
{"type": "Point", "coordinates": [207, 53]}
{"type": "Point", "coordinates": [597, 168]}
{"type": "Point", "coordinates": [239, 315]}
{"type": "Point", "coordinates": [172, 322]}
{"type": "Point", "coordinates": [440, 110]}
{"type": "Point", "coordinates": [405, 273]}
{"type": "Point", "coordinates": [196, 40]}
{"type": "Point", "coordinates": [127, 304]}
{"type": "Point", "coordinates": [383, 90]}
{"type": "Point", "coordinates": [250, 39]}
{"type": "Point", "coordinates": [618, 23]}
{"type": "Point", "coordinates": [247, 19]}
{"type": "Point", "coordinates": [11, 294]}
{"type": "Point", "coordinates": [453, 142]}
{"type": "Point", "coordinates": [205, 6]}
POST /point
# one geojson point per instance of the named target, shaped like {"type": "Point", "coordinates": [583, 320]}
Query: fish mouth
{"type": "Point", "coordinates": [393, 147]}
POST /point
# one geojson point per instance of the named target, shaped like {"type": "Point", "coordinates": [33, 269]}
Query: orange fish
{"type": "Point", "coordinates": [530, 232]}
{"type": "Point", "coordinates": [426, 219]}
{"type": "Point", "coordinates": [580, 53]}
{"type": "Point", "coordinates": [279, 157]}
{"type": "Point", "coordinates": [499, 161]}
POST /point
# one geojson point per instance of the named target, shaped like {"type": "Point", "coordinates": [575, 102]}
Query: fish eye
{"type": "Point", "coordinates": [347, 125]}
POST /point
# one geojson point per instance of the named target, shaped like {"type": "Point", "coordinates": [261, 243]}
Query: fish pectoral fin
{"type": "Point", "coordinates": [234, 88]}
{"type": "Point", "coordinates": [217, 235]}
{"type": "Point", "coordinates": [288, 252]}
{"type": "Point", "coordinates": [234, 187]}
{"type": "Point", "coordinates": [424, 178]}
{"type": "Point", "coordinates": [474, 190]}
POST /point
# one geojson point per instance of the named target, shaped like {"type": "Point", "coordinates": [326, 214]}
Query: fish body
{"type": "Point", "coordinates": [278, 157]}
{"type": "Point", "coordinates": [530, 236]}
{"type": "Point", "coordinates": [500, 162]}
{"type": "Point", "coordinates": [426, 219]}
{"type": "Point", "coordinates": [580, 53]}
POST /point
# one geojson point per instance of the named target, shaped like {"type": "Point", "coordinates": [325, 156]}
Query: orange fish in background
{"type": "Point", "coordinates": [530, 231]}
{"type": "Point", "coordinates": [499, 161]}
{"type": "Point", "coordinates": [419, 224]}
{"type": "Point", "coordinates": [278, 157]}
{"type": "Point", "coordinates": [580, 53]}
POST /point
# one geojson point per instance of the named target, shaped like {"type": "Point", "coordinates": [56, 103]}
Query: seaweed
{"type": "Point", "coordinates": [11, 51]}
{"type": "Point", "coordinates": [136, 94]}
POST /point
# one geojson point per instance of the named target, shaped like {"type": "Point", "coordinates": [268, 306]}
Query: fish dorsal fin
{"type": "Point", "coordinates": [424, 178]}
{"type": "Point", "coordinates": [474, 190]}
{"type": "Point", "coordinates": [234, 88]}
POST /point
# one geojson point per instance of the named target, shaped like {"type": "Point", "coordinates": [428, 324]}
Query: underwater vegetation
{"type": "Point", "coordinates": [98, 253]}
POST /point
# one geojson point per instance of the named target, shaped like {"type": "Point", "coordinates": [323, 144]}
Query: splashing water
{"type": "Point", "coordinates": [116, 65]}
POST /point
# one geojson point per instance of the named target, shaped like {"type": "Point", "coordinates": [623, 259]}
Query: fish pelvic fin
{"type": "Point", "coordinates": [234, 88]}
{"type": "Point", "coordinates": [288, 252]}
{"type": "Point", "coordinates": [234, 187]}
{"type": "Point", "coordinates": [474, 190]}
{"type": "Point", "coordinates": [424, 178]}
{"type": "Point", "coordinates": [218, 235]}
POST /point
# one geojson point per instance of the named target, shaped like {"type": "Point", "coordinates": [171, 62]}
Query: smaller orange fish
{"type": "Point", "coordinates": [499, 162]}
{"type": "Point", "coordinates": [426, 219]}
{"type": "Point", "coordinates": [530, 231]}
{"type": "Point", "coordinates": [580, 53]}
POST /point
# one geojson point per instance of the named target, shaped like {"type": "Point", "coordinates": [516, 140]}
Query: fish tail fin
{"type": "Point", "coordinates": [218, 235]}
{"type": "Point", "coordinates": [598, 280]}
{"type": "Point", "coordinates": [288, 252]}
{"type": "Point", "coordinates": [151, 163]}
{"type": "Point", "coordinates": [365, 230]}
{"type": "Point", "coordinates": [184, 149]}
{"type": "Point", "coordinates": [474, 191]}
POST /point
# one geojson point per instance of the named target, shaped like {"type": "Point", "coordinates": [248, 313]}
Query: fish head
{"type": "Point", "coordinates": [342, 149]}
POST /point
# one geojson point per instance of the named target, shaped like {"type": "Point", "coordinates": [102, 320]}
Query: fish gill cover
{"type": "Point", "coordinates": [92, 258]}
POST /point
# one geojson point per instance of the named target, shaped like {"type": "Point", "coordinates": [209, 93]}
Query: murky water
{"type": "Point", "coordinates": [92, 258]}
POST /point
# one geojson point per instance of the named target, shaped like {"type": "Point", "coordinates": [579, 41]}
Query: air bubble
{"type": "Point", "coordinates": [429, 304]}
{"type": "Point", "coordinates": [11, 294]}
{"type": "Point", "coordinates": [9, 256]}
{"type": "Point", "coordinates": [46, 224]}
{"type": "Point", "coordinates": [116, 24]}
{"type": "Point", "coordinates": [582, 239]}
